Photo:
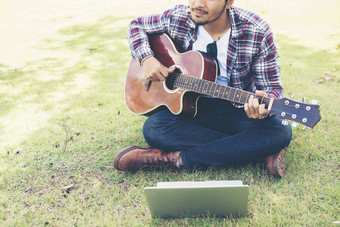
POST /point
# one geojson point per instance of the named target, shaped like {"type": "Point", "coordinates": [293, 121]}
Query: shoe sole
{"type": "Point", "coordinates": [121, 153]}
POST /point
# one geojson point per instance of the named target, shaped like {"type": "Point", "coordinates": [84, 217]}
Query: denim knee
{"type": "Point", "coordinates": [156, 127]}
{"type": "Point", "coordinates": [284, 135]}
{"type": "Point", "coordinates": [287, 135]}
{"type": "Point", "coordinates": [149, 131]}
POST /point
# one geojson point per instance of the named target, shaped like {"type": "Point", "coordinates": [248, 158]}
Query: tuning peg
{"type": "Point", "coordinates": [292, 96]}
{"type": "Point", "coordinates": [285, 122]}
{"type": "Point", "coordinates": [303, 100]}
{"type": "Point", "coordinates": [314, 102]}
{"type": "Point", "coordinates": [295, 125]}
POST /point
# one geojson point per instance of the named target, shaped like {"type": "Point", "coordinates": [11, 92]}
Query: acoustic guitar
{"type": "Point", "coordinates": [195, 74]}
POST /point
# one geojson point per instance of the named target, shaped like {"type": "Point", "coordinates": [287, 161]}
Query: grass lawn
{"type": "Point", "coordinates": [63, 119]}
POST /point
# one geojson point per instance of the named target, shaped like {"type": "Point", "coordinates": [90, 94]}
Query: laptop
{"type": "Point", "coordinates": [198, 198]}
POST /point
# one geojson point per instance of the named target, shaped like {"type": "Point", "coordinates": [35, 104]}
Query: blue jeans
{"type": "Point", "coordinates": [219, 135]}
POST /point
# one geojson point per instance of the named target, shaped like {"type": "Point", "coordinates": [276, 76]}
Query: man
{"type": "Point", "coordinates": [222, 133]}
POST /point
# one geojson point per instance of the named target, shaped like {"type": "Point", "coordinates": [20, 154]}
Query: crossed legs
{"type": "Point", "coordinates": [219, 135]}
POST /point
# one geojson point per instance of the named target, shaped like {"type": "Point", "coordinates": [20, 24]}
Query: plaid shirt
{"type": "Point", "coordinates": [252, 62]}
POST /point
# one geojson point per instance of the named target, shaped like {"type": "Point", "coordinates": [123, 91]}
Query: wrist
{"type": "Point", "coordinates": [144, 59]}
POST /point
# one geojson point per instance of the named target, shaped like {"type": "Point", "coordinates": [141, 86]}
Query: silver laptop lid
{"type": "Point", "coordinates": [206, 198]}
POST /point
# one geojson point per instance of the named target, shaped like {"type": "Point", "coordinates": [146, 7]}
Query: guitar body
{"type": "Point", "coordinates": [158, 95]}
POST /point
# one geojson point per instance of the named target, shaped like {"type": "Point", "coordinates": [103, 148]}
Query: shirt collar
{"type": "Point", "coordinates": [191, 23]}
{"type": "Point", "coordinates": [236, 29]}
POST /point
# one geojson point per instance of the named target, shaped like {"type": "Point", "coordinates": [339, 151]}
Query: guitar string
{"type": "Point", "coordinates": [244, 97]}
{"type": "Point", "coordinates": [244, 94]}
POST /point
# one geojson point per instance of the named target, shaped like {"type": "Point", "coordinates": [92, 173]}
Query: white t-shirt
{"type": "Point", "coordinates": [203, 39]}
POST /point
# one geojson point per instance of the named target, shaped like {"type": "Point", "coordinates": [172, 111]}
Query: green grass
{"type": "Point", "coordinates": [62, 120]}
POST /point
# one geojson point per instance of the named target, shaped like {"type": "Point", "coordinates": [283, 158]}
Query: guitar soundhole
{"type": "Point", "coordinates": [171, 79]}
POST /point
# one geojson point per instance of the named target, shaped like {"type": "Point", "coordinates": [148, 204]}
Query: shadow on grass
{"type": "Point", "coordinates": [86, 68]}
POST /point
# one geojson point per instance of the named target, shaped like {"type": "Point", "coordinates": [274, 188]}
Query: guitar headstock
{"type": "Point", "coordinates": [307, 114]}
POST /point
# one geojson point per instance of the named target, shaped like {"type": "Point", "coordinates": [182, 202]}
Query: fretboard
{"type": "Point", "coordinates": [213, 89]}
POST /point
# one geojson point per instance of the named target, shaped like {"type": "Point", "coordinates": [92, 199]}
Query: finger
{"type": "Point", "coordinates": [246, 109]}
{"type": "Point", "coordinates": [171, 70]}
{"type": "Point", "coordinates": [163, 73]}
{"type": "Point", "coordinates": [154, 77]}
{"type": "Point", "coordinates": [261, 93]}
{"type": "Point", "coordinates": [263, 111]}
{"type": "Point", "coordinates": [159, 76]}
{"type": "Point", "coordinates": [251, 106]}
{"type": "Point", "coordinates": [149, 75]}
{"type": "Point", "coordinates": [256, 107]}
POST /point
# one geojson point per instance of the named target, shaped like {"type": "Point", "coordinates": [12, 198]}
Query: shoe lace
{"type": "Point", "coordinates": [164, 161]}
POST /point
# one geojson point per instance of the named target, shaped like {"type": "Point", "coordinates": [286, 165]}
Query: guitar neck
{"type": "Point", "coordinates": [214, 89]}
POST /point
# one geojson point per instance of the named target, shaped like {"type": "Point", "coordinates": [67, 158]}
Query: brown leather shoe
{"type": "Point", "coordinates": [276, 164]}
{"type": "Point", "coordinates": [133, 158]}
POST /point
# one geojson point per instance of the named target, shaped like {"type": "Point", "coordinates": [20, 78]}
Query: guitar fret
{"type": "Point", "coordinates": [183, 82]}
{"type": "Point", "coordinates": [234, 95]}
{"type": "Point", "coordinates": [247, 98]}
{"type": "Point", "coordinates": [195, 85]}
{"type": "Point", "coordinates": [227, 93]}
{"type": "Point", "coordinates": [238, 95]}
{"type": "Point", "coordinates": [200, 86]}
{"type": "Point", "coordinates": [217, 90]}
{"type": "Point", "coordinates": [222, 91]}
{"type": "Point", "coordinates": [212, 89]}
{"type": "Point", "coordinates": [204, 87]}
{"type": "Point", "coordinates": [231, 94]}
{"type": "Point", "coordinates": [180, 82]}
{"type": "Point", "coordinates": [220, 94]}
{"type": "Point", "coordinates": [243, 93]}
{"type": "Point", "coordinates": [192, 83]}
{"type": "Point", "coordinates": [177, 81]}
{"type": "Point", "coordinates": [208, 88]}
{"type": "Point", "coordinates": [188, 83]}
